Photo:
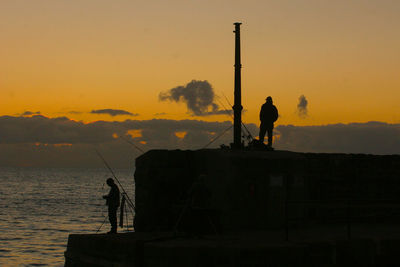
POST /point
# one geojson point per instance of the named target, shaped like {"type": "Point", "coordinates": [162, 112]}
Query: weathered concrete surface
{"type": "Point", "coordinates": [339, 210]}
{"type": "Point", "coordinates": [311, 247]}
{"type": "Point", "coordinates": [258, 189]}
{"type": "Point", "coordinates": [108, 250]}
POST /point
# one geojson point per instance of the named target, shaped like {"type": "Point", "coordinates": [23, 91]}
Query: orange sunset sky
{"type": "Point", "coordinates": [59, 56]}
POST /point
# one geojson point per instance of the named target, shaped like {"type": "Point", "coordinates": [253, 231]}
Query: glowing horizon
{"type": "Point", "coordinates": [63, 59]}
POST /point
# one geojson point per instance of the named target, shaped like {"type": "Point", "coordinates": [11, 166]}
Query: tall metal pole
{"type": "Point", "coordinates": [237, 107]}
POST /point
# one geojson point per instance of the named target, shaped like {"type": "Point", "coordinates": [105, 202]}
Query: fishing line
{"type": "Point", "coordinates": [245, 130]}
{"type": "Point", "coordinates": [131, 143]}
{"type": "Point", "coordinates": [214, 139]}
{"type": "Point", "coordinates": [101, 224]}
{"type": "Point", "coordinates": [230, 114]}
{"type": "Point", "coordinates": [222, 104]}
{"type": "Point", "coordinates": [112, 172]}
{"type": "Point", "coordinates": [248, 132]}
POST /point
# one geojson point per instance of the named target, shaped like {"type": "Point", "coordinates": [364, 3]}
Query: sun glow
{"type": "Point", "coordinates": [134, 133]}
{"type": "Point", "coordinates": [180, 135]}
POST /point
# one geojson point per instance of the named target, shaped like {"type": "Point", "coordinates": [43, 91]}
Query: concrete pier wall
{"type": "Point", "coordinates": [256, 208]}
{"type": "Point", "coordinates": [257, 189]}
{"type": "Point", "coordinates": [147, 250]}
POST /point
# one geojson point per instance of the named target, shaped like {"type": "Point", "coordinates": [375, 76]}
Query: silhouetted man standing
{"type": "Point", "coordinates": [113, 204]}
{"type": "Point", "coordinates": [268, 115]}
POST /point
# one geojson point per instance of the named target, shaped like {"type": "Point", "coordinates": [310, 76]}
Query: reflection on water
{"type": "Point", "coordinates": [39, 208]}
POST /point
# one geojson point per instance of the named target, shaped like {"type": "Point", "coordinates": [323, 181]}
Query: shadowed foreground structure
{"type": "Point", "coordinates": [262, 209]}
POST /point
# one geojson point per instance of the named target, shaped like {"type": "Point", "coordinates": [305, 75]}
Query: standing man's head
{"type": "Point", "coordinates": [110, 181]}
{"type": "Point", "coordinates": [269, 100]}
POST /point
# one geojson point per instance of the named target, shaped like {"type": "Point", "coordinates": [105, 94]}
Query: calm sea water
{"type": "Point", "coordinates": [39, 208]}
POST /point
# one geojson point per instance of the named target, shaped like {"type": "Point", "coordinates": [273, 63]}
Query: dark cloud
{"type": "Point", "coordinates": [199, 98]}
{"type": "Point", "coordinates": [41, 129]}
{"type": "Point", "coordinates": [63, 130]}
{"type": "Point", "coordinates": [118, 155]}
{"type": "Point", "coordinates": [113, 112]}
{"type": "Point", "coordinates": [29, 113]}
{"type": "Point", "coordinates": [302, 107]}
{"type": "Point", "coordinates": [369, 138]}
{"type": "Point", "coordinates": [42, 141]}
{"type": "Point", "coordinates": [160, 114]}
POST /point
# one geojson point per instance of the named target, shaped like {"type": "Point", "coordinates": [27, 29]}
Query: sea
{"type": "Point", "coordinates": [40, 207]}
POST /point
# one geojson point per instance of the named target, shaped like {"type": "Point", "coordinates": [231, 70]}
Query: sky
{"type": "Point", "coordinates": [325, 63]}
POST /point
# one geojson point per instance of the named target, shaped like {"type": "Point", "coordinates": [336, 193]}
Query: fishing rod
{"type": "Point", "coordinates": [218, 136]}
{"type": "Point", "coordinates": [243, 128]}
{"type": "Point", "coordinates": [230, 114]}
{"type": "Point", "coordinates": [129, 142]}
{"type": "Point", "coordinates": [248, 132]}
{"type": "Point", "coordinates": [102, 224]}
{"type": "Point", "coordinates": [112, 172]}
{"type": "Point", "coordinates": [222, 104]}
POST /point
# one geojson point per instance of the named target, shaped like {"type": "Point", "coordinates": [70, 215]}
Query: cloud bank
{"type": "Point", "coordinates": [62, 142]}
{"type": "Point", "coordinates": [199, 98]}
{"type": "Point", "coordinates": [370, 138]}
{"type": "Point", "coordinates": [42, 141]}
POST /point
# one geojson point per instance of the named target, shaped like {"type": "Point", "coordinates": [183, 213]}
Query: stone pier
{"type": "Point", "coordinates": [257, 208]}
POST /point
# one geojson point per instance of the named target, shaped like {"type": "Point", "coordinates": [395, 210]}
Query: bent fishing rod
{"type": "Point", "coordinates": [112, 172]}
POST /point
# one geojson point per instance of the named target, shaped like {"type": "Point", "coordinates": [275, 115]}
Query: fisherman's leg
{"type": "Point", "coordinates": [261, 135]}
{"type": "Point", "coordinates": [269, 130]}
{"type": "Point", "coordinates": [114, 221]}
{"type": "Point", "coordinates": [112, 216]}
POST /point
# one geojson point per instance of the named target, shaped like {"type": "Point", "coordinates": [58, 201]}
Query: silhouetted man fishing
{"type": "Point", "coordinates": [268, 115]}
{"type": "Point", "coordinates": [112, 201]}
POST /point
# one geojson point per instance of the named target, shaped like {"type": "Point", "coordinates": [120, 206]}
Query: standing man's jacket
{"type": "Point", "coordinates": [268, 113]}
